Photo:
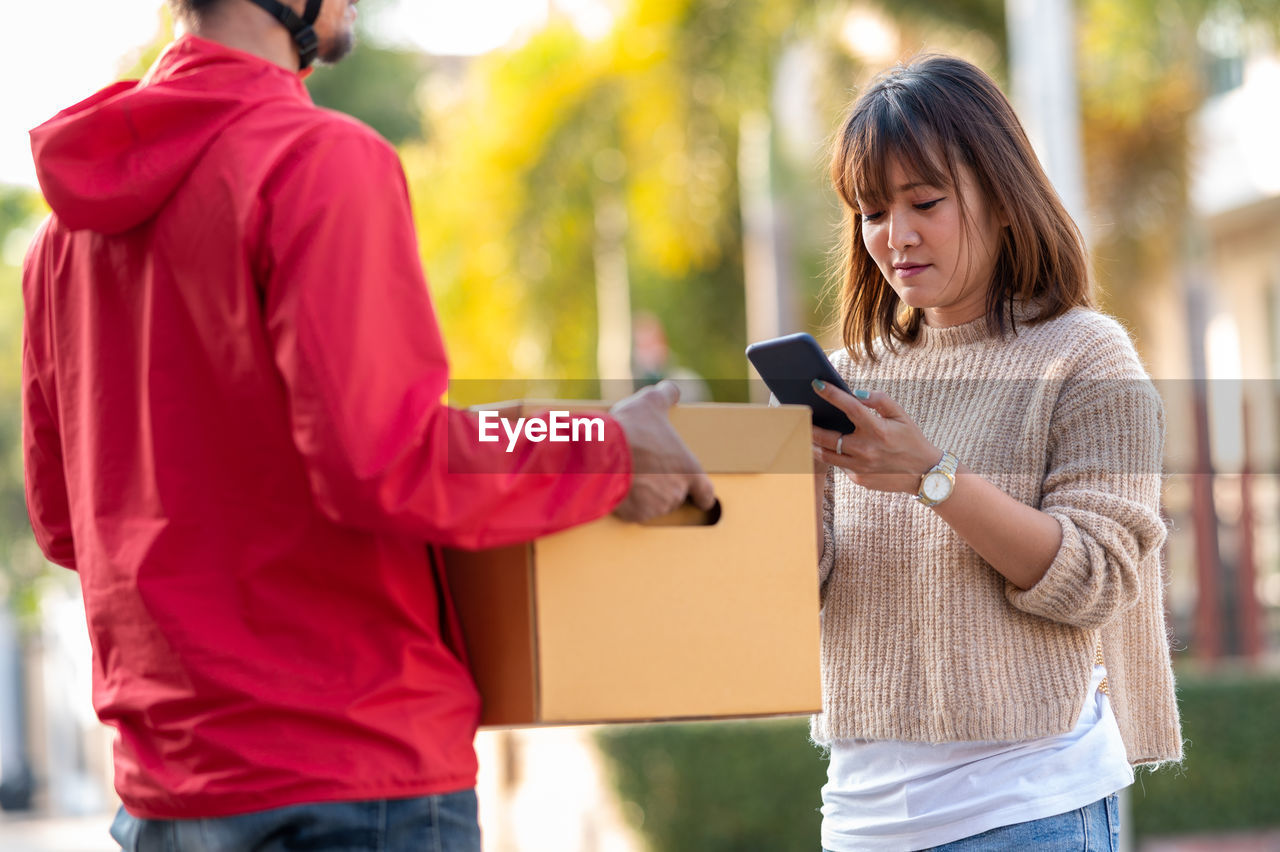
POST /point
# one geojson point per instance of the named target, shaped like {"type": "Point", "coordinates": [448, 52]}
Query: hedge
{"type": "Point", "coordinates": [1230, 776]}
{"type": "Point", "coordinates": [746, 786]}
{"type": "Point", "coordinates": [720, 786]}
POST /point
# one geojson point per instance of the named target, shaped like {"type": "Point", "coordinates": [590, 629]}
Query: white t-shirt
{"type": "Point", "coordinates": [889, 795]}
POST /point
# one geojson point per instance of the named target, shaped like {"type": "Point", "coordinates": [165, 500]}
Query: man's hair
{"type": "Point", "coordinates": [191, 9]}
{"type": "Point", "coordinates": [934, 115]}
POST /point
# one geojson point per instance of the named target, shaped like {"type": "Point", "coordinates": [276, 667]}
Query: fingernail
{"type": "Point", "coordinates": [819, 384]}
{"type": "Point", "coordinates": [861, 394]}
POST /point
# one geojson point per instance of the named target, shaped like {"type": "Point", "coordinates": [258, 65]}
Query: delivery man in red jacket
{"type": "Point", "coordinates": [232, 383]}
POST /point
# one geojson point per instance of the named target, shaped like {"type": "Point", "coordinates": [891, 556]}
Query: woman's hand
{"type": "Point", "coordinates": [887, 451]}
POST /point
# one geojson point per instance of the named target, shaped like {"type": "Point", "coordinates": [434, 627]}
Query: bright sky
{"type": "Point", "coordinates": [61, 51]}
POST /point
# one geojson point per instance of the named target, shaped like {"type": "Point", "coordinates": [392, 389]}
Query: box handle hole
{"type": "Point", "coordinates": [688, 514]}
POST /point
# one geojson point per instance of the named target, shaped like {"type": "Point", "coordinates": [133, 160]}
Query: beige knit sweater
{"type": "Point", "coordinates": [921, 639]}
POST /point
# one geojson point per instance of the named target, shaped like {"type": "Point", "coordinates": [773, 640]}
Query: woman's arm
{"type": "Point", "coordinates": [888, 452]}
{"type": "Point", "coordinates": [1076, 557]}
{"type": "Point", "coordinates": [1015, 539]}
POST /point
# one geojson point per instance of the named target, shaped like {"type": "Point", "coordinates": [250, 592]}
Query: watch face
{"type": "Point", "coordinates": [936, 486]}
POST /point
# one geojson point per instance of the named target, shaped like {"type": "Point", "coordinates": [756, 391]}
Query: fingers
{"type": "Point", "coordinates": [651, 496]}
{"type": "Point", "coordinates": [656, 494]}
{"type": "Point", "coordinates": [699, 490]}
{"type": "Point", "coordinates": [881, 403]}
{"type": "Point", "coordinates": [827, 438]}
{"type": "Point", "coordinates": [830, 458]}
{"type": "Point", "coordinates": [667, 391]}
{"type": "Point", "coordinates": [887, 452]}
{"type": "Point", "coordinates": [664, 471]}
{"type": "Point", "coordinates": [669, 493]}
{"type": "Point", "coordinates": [645, 402]}
{"type": "Point", "coordinates": [850, 405]}
{"type": "Point", "coordinates": [628, 511]}
{"type": "Point", "coordinates": [702, 492]}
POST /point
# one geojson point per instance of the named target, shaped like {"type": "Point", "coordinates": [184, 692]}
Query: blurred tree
{"type": "Point", "coordinates": [20, 564]}
{"type": "Point", "coordinates": [533, 142]}
{"type": "Point", "coordinates": [1142, 78]}
{"type": "Point", "coordinates": [376, 83]}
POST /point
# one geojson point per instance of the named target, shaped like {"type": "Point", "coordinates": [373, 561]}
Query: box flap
{"type": "Point", "coordinates": [726, 437]}
{"type": "Point", "coordinates": [730, 438]}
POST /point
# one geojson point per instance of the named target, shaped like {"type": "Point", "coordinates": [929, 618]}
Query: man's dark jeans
{"type": "Point", "coordinates": [445, 823]}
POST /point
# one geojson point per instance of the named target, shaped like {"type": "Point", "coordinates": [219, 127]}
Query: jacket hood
{"type": "Point", "coordinates": [110, 162]}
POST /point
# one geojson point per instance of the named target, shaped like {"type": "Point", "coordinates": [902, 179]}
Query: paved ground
{"type": "Point", "coordinates": [20, 833]}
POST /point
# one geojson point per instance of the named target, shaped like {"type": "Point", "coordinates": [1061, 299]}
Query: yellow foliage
{"type": "Point", "coordinates": [517, 114]}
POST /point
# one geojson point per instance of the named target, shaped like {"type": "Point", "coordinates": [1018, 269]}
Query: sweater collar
{"type": "Point", "coordinates": [934, 338]}
{"type": "Point", "coordinates": [945, 337]}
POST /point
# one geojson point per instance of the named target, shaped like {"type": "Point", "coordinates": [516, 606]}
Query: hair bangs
{"type": "Point", "coordinates": [893, 129]}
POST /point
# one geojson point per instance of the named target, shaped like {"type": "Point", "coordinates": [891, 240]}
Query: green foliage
{"type": "Point", "coordinates": [13, 516]}
{"type": "Point", "coordinates": [532, 142]}
{"type": "Point", "coordinates": [720, 787]}
{"type": "Point", "coordinates": [1230, 779]}
{"type": "Point", "coordinates": [377, 85]}
{"type": "Point", "coordinates": [717, 787]}
{"type": "Point", "coordinates": [20, 565]}
{"type": "Point", "coordinates": [1140, 84]}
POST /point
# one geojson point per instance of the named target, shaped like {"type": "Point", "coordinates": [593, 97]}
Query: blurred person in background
{"type": "Point", "coordinates": [651, 360]}
{"type": "Point", "coordinates": [233, 431]}
{"type": "Point", "coordinates": [995, 656]}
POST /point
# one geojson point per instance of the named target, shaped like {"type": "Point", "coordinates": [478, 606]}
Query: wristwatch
{"type": "Point", "coordinates": [938, 481]}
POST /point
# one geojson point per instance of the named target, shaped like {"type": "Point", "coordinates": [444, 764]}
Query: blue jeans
{"type": "Point", "coordinates": [1093, 828]}
{"type": "Point", "coordinates": [445, 823]}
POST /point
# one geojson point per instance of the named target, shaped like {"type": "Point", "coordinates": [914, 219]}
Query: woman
{"type": "Point", "coordinates": [994, 647]}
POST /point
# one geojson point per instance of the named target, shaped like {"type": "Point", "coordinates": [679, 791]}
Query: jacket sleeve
{"type": "Point", "coordinates": [45, 481]}
{"type": "Point", "coordinates": [1102, 485]}
{"type": "Point", "coordinates": [356, 341]}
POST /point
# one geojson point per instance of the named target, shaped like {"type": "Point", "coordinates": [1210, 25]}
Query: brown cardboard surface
{"type": "Point", "coordinates": [613, 621]}
{"type": "Point", "coordinates": [695, 621]}
{"type": "Point", "coordinates": [494, 588]}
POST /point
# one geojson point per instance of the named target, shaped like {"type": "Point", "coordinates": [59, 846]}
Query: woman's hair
{"type": "Point", "coordinates": [934, 115]}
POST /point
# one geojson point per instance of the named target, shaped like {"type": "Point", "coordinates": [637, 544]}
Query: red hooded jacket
{"type": "Point", "coordinates": [232, 384]}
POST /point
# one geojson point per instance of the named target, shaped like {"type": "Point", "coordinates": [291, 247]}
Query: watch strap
{"type": "Point", "coordinates": [947, 466]}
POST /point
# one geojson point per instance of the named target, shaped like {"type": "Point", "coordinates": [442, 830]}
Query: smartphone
{"type": "Point", "coordinates": [788, 365]}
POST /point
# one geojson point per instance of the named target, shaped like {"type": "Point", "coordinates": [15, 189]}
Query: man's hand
{"type": "Point", "coordinates": [664, 472]}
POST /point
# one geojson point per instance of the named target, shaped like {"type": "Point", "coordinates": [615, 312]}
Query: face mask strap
{"type": "Point", "coordinates": [304, 35]}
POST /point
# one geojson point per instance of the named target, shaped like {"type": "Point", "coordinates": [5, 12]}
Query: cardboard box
{"type": "Point", "coordinates": [621, 622]}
